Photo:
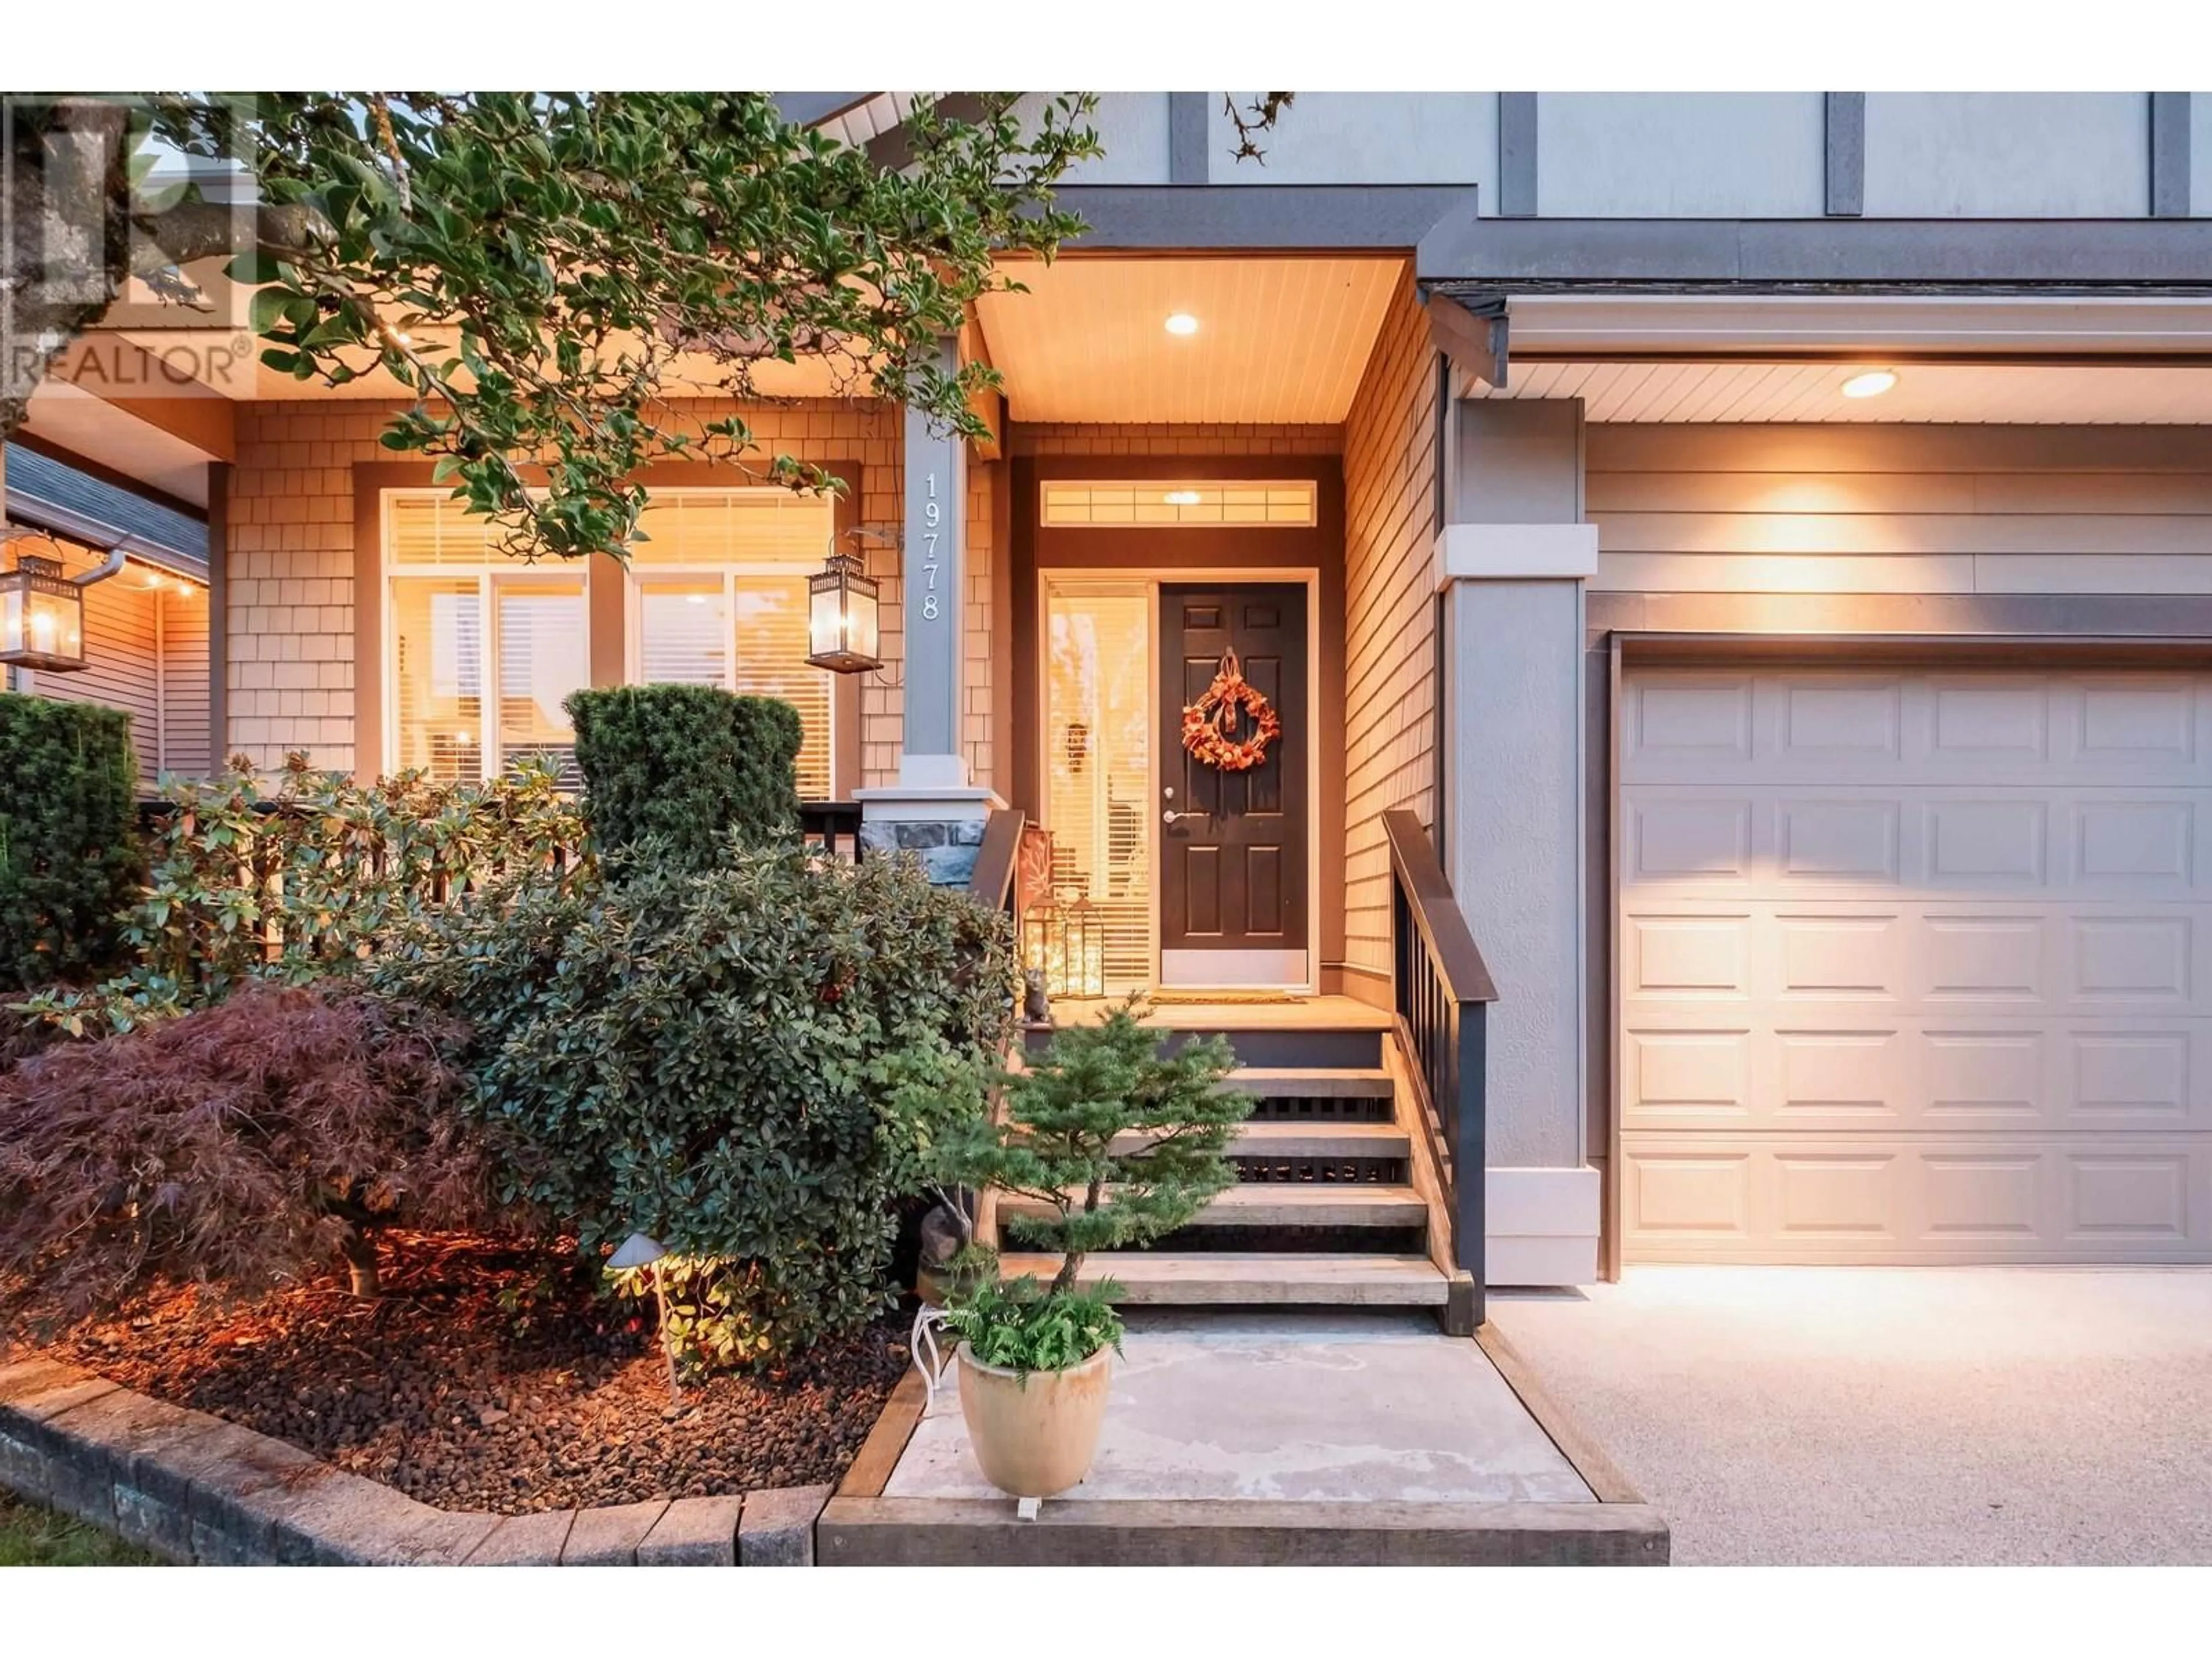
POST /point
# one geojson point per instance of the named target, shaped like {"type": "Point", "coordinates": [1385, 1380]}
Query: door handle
{"type": "Point", "coordinates": [1177, 817]}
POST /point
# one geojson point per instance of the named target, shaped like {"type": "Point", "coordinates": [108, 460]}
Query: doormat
{"type": "Point", "coordinates": [1181, 998]}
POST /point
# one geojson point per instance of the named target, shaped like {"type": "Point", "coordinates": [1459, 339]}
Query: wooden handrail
{"type": "Point", "coordinates": [992, 881]}
{"type": "Point", "coordinates": [1442, 991]}
{"type": "Point", "coordinates": [1434, 912]}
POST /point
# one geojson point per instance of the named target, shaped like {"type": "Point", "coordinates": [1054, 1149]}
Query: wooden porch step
{"type": "Point", "coordinates": [1312, 1083]}
{"type": "Point", "coordinates": [1253, 1281]}
{"type": "Point", "coordinates": [1287, 1204]}
{"type": "Point", "coordinates": [1293, 1139]}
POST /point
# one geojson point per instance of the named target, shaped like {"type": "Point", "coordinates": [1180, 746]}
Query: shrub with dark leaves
{"type": "Point", "coordinates": [750, 1063]}
{"type": "Point", "coordinates": [244, 1146]}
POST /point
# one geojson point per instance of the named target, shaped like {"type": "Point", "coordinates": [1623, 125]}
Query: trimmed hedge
{"type": "Point", "coordinates": [685, 768]}
{"type": "Point", "coordinates": [69, 864]}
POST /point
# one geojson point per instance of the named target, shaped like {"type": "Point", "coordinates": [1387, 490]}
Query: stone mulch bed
{"type": "Point", "coordinates": [490, 1377]}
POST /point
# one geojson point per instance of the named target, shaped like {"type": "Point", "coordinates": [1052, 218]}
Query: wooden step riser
{"type": "Point", "coordinates": [1326, 1170]}
{"type": "Point", "coordinates": [1267, 1139]}
{"type": "Point", "coordinates": [1323, 1109]}
{"type": "Point", "coordinates": [1287, 1204]}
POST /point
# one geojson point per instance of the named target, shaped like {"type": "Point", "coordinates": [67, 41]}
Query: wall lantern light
{"type": "Point", "coordinates": [842, 626]}
{"type": "Point", "coordinates": [41, 615]}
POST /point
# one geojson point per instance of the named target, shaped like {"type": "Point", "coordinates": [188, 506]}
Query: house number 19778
{"type": "Point", "coordinates": [933, 514]}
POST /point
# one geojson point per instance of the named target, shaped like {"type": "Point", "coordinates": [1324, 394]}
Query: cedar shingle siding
{"type": "Point", "coordinates": [290, 575]}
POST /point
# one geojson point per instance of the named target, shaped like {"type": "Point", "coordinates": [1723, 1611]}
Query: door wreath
{"type": "Point", "coordinates": [1208, 723]}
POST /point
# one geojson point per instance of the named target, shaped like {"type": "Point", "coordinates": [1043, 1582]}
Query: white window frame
{"type": "Point", "coordinates": [636, 577]}
{"type": "Point", "coordinates": [489, 576]}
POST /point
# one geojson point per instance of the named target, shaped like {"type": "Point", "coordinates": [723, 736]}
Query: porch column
{"type": "Point", "coordinates": [1512, 562]}
{"type": "Point", "coordinates": [934, 811]}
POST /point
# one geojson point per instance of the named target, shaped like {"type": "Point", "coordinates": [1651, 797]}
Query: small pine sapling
{"type": "Point", "coordinates": [1120, 1142]}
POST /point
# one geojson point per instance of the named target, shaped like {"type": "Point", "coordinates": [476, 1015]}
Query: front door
{"type": "Point", "coordinates": [1233, 847]}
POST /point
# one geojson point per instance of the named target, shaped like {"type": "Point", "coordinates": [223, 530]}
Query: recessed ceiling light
{"type": "Point", "coordinates": [1181, 498]}
{"type": "Point", "coordinates": [1872, 384]}
{"type": "Point", "coordinates": [1182, 323]}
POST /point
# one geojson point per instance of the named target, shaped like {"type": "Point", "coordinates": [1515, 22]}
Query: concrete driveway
{"type": "Point", "coordinates": [1896, 1415]}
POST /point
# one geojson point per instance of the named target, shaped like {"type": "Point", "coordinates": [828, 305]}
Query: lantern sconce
{"type": "Point", "coordinates": [1064, 940]}
{"type": "Point", "coordinates": [42, 611]}
{"type": "Point", "coordinates": [844, 615]}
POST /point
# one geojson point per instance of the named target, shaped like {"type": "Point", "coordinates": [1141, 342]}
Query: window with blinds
{"type": "Point", "coordinates": [544, 653]}
{"type": "Point", "coordinates": [462, 617]}
{"type": "Point", "coordinates": [718, 597]}
{"type": "Point", "coordinates": [1098, 736]}
{"type": "Point", "coordinates": [437, 652]}
{"type": "Point", "coordinates": [719, 586]}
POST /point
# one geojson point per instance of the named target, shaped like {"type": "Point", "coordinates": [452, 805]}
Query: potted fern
{"type": "Point", "coordinates": [1105, 1143]}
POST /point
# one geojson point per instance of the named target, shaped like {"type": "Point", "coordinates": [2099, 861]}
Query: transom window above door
{"type": "Point", "coordinates": [1168, 503]}
{"type": "Point", "coordinates": [715, 594]}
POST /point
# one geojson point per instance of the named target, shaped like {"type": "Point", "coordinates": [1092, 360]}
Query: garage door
{"type": "Point", "coordinates": [1915, 966]}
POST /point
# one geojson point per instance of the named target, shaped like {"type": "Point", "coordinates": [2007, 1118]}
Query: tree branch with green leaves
{"type": "Point", "coordinates": [551, 284]}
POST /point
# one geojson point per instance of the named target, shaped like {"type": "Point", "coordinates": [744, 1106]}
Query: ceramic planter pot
{"type": "Point", "coordinates": [1035, 1438]}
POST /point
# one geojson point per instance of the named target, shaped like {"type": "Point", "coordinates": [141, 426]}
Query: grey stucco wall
{"type": "Point", "coordinates": [2003, 154]}
{"type": "Point", "coordinates": [1513, 769]}
{"type": "Point", "coordinates": [1365, 137]}
{"type": "Point", "coordinates": [1698, 154]}
{"type": "Point", "coordinates": [2200, 152]}
{"type": "Point", "coordinates": [1515, 859]}
{"type": "Point", "coordinates": [1132, 127]}
{"type": "Point", "coordinates": [1680, 154]}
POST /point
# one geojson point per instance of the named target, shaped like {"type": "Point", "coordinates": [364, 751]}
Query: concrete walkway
{"type": "Point", "coordinates": [1308, 1408]}
{"type": "Point", "coordinates": [1905, 1415]}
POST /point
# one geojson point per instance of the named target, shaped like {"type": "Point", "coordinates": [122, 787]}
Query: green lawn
{"type": "Point", "coordinates": [33, 1537]}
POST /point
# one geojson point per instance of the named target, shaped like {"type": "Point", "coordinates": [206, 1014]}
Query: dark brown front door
{"type": "Point", "coordinates": [1233, 844]}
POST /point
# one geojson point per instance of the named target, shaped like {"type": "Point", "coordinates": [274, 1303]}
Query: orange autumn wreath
{"type": "Point", "coordinates": [1208, 723]}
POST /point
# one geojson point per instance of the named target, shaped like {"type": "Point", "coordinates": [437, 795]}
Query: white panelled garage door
{"type": "Point", "coordinates": [1915, 966]}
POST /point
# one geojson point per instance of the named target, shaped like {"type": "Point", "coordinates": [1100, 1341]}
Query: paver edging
{"type": "Point", "coordinates": [194, 1488]}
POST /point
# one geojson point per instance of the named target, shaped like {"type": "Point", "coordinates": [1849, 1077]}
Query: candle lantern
{"type": "Point", "coordinates": [1085, 949]}
{"type": "Point", "coordinates": [41, 616]}
{"type": "Point", "coordinates": [843, 627]}
{"type": "Point", "coordinates": [1044, 947]}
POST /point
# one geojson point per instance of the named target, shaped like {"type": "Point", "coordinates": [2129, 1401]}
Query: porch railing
{"type": "Point", "coordinates": [1442, 994]}
{"type": "Point", "coordinates": [832, 825]}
